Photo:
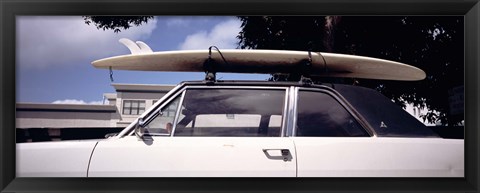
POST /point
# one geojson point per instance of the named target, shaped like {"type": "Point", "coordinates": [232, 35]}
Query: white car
{"type": "Point", "coordinates": [257, 129]}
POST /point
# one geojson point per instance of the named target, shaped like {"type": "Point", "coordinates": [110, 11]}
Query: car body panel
{"type": "Point", "coordinates": [54, 159]}
{"type": "Point", "coordinates": [193, 157]}
{"type": "Point", "coordinates": [379, 157]}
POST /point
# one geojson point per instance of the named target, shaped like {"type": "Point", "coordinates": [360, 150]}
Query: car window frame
{"type": "Point", "coordinates": [153, 115]}
{"type": "Point", "coordinates": [289, 114]}
{"type": "Point", "coordinates": [150, 114]}
{"type": "Point", "coordinates": [286, 101]}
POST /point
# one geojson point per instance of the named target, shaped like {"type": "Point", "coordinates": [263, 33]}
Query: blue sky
{"type": "Point", "coordinates": [54, 54]}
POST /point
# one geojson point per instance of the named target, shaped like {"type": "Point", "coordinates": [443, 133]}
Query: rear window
{"type": "Point", "coordinates": [385, 117]}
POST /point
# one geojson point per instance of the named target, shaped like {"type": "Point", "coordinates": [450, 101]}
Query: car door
{"type": "Point", "coordinates": [205, 132]}
{"type": "Point", "coordinates": [332, 142]}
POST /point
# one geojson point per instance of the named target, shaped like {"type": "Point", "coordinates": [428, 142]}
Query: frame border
{"type": "Point", "coordinates": [9, 9]}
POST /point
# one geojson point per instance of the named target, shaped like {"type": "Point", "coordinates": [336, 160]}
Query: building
{"type": "Point", "coordinates": [117, 112]}
{"type": "Point", "coordinates": [131, 100]}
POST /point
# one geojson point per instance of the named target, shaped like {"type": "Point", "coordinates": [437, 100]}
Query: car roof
{"type": "Point", "coordinates": [244, 83]}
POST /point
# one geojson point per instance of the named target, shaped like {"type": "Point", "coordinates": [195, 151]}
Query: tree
{"type": "Point", "coordinates": [116, 23]}
{"type": "Point", "coordinates": [434, 44]}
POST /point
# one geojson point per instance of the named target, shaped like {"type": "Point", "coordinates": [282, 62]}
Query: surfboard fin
{"type": "Point", "coordinates": [144, 47]}
{"type": "Point", "coordinates": [135, 48]}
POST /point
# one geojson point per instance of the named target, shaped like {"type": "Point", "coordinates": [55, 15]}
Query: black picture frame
{"type": "Point", "coordinates": [9, 9]}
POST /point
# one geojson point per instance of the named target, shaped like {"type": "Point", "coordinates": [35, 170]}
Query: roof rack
{"type": "Point", "coordinates": [305, 70]}
{"type": "Point", "coordinates": [208, 65]}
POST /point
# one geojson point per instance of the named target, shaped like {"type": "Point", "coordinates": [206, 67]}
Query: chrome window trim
{"type": "Point", "coordinates": [285, 113]}
{"type": "Point", "coordinates": [177, 113]}
{"type": "Point", "coordinates": [131, 133]}
{"type": "Point", "coordinates": [238, 87]}
{"type": "Point", "coordinates": [342, 101]}
{"type": "Point", "coordinates": [291, 116]}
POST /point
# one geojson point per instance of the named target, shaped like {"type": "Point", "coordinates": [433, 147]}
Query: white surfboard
{"type": "Point", "coordinates": [266, 62]}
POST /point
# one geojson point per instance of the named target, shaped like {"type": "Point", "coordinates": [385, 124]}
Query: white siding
{"type": "Point", "coordinates": [34, 119]}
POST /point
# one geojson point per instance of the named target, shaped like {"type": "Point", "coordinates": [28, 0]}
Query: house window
{"type": "Point", "coordinates": [133, 107]}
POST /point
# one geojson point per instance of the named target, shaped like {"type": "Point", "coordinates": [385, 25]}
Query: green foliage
{"type": "Point", "coordinates": [293, 33]}
{"type": "Point", "coordinates": [433, 43]}
{"type": "Point", "coordinates": [116, 23]}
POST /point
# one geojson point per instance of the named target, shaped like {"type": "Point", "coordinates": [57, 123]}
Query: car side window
{"type": "Point", "coordinates": [320, 115]}
{"type": "Point", "coordinates": [231, 112]}
{"type": "Point", "coordinates": [162, 123]}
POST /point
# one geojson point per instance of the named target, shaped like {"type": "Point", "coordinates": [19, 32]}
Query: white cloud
{"type": "Point", "coordinates": [44, 41]}
{"type": "Point", "coordinates": [177, 22]}
{"type": "Point", "coordinates": [187, 21]}
{"type": "Point", "coordinates": [223, 35]}
{"type": "Point", "coordinates": [74, 101]}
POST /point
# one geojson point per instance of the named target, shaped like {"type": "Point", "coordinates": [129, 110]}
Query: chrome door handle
{"type": "Point", "coordinates": [284, 154]}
